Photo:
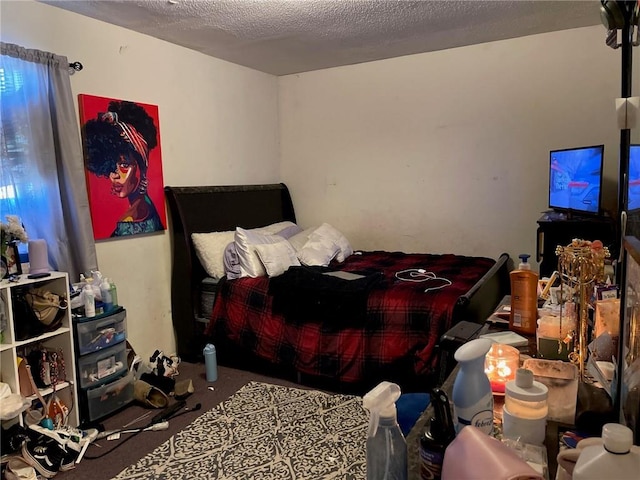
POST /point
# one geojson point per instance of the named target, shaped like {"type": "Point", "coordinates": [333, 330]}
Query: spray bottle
{"type": "Point", "coordinates": [524, 298]}
{"type": "Point", "coordinates": [439, 434]}
{"type": "Point", "coordinates": [386, 446]}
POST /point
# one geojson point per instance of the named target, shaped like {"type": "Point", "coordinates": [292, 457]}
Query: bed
{"type": "Point", "coordinates": [364, 327]}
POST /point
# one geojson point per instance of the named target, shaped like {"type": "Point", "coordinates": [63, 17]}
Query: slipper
{"type": "Point", "coordinates": [183, 389]}
{"type": "Point", "coordinates": [19, 469]}
{"type": "Point", "coordinates": [148, 395]}
{"type": "Point", "coordinates": [166, 384]}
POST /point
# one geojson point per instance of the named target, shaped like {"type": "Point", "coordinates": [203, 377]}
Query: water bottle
{"type": "Point", "coordinates": [210, 362]}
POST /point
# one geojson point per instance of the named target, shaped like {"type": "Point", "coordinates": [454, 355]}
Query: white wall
{"type": "Point", "coordinates": [218, 125]}
{"type": "Point", "coordinates": [448, 151]}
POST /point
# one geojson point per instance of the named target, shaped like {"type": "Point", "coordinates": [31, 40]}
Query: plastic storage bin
{"type": "Point", "coordinates": [104, 331]}
{"type": "Point", "coordinates": [109, 397]}
{"type": "Point", "coordinates": [96, 367]}
{"type": "Point", "coordinates": [208, 290]}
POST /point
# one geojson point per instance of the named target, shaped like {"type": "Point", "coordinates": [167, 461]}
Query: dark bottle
{"type": "Point", "coordinates": [439, 433]}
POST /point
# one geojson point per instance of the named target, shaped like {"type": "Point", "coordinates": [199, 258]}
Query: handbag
{"type": "Point", "coordinates": [26, 386]}
{"type": "Point", "coordinates": [26, 324]}
{"type": "Point", "coordinates": [47, 367]}
{"type": "Point", "coordinates": [48, 307]}
{"type": "Point", "coordinates": [35, 415]}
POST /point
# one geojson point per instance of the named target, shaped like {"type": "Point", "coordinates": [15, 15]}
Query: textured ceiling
{"type": "Point", "coordinates": [291, 36]}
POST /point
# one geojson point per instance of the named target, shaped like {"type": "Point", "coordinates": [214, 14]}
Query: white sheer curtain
{"type": "Point", "coordinates": [41, 167]}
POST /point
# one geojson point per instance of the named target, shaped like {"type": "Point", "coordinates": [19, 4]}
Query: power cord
{"type": "Point", "coordinates": [168, 413]}
{"type": "Point", "coordinates": [421, 275]}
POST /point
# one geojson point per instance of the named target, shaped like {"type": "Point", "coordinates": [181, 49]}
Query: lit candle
{"type": "Point", "coordinates": [500, 365]}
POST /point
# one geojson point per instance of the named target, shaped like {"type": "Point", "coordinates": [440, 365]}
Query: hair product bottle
{"type": "Point", "coordinates": [89, 301]}
{"type": "Point", "coordinates": [105, 291]}
{"type": "Point", "coordinates": [114, 293]}
{"type": "Point", "coordinates": [439, 434]}
{"type": "Point", "coordinates": [524, 298]}
{"type": "Point", "coordinates": [616, 458]}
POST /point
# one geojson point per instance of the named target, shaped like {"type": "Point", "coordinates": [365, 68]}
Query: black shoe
{"type": "Point", "coordinates": [43, 455]}
{"type": "Point", "coordinates": [13, 438]}
{"type": "Point", "coordinates": [68, 461]}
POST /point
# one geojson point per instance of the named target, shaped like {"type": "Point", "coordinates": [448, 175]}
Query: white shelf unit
{"type": "Point", "coordinates": [62, 338]}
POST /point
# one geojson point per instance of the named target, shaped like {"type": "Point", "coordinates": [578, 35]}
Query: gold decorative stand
{"type": "Point", "coordinates": [581, 264]}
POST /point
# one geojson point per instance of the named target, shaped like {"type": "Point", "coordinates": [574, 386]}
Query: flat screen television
{"type": "Point", "coordinates": [575, 179]}
{"type": "Point", "coordinates": [633, 192]}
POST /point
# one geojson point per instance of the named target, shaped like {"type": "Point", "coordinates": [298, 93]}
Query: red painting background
{"type": "Point", "coordinates": [105, 208]}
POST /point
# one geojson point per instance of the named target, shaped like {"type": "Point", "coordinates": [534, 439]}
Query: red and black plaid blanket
{"type": "Point", "coordinates": [398, 331]}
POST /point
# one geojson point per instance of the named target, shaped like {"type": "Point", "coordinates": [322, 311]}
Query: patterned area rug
{"type": "Point", "coordinates": [266, 432]}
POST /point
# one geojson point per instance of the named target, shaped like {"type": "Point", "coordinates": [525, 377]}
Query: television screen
{"type": "Point", "coordinates": [575, 179]}
{"type": "Point", "coordinates": [633, 193]}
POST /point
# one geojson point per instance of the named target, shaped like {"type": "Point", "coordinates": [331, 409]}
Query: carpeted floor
{"type": "Point", "coordinates": [106, 459]}
{"type": "Point", "coordinates": [265, 431]}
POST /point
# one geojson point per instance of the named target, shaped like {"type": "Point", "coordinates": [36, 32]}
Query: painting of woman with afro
{"type": "Point", "coordinates": [124, 167]}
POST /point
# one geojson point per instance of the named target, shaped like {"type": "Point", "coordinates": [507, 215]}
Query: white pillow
{"type": "Point", "coordinates": [274, 228]}
{"type": "Point", "coordinates": [299, 239]}
{"type": "Point", "coordinates": [277, 257]}
{"type": "Point", "coordinates": [333, 234]}
{"type": "Point", "coordinates": [210, 249]}
{"type": "Point", "coordinates": [246, 240]}
{"type": "Point", "coordinates": [318, 251]}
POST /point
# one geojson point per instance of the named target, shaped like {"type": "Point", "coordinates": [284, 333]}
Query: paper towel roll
{"type": "Point", "coordinates": [38, 257]}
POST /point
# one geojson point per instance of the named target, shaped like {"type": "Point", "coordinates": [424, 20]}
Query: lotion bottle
{"type": "Point", "coordinates": [616, 458]}
{"type": "Point", "coordinates": [524, 298]}
{"type": "Point", "coordinates": [89, 301]}
{"type": "Point", "coordinates": [386, 446]}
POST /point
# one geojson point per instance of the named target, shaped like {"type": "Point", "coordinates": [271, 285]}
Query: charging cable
{"type": "Point", "coordinates": [161, 418]}
{"type": "Point", "coordinates": [115, 434]}
{"type": "Point", "coordinates": [414, 275]}
{"type": "Point", "coordinates": [421, 275]}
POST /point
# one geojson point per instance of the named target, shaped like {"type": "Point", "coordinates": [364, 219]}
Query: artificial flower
{"type": "Point", "coordinates": [12, 231]}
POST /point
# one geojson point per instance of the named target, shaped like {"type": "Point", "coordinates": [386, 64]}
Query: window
{"type": "Point", "coordinates": [41, 171]}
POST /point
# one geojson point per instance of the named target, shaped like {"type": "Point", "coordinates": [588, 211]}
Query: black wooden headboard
{"type": "Point", "coordinates": [211, 209]}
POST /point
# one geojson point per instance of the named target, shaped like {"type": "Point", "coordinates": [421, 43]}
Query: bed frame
{"type": "Point", "coordinates": [221, 208]}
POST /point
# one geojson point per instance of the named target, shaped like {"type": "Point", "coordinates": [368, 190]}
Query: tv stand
{"type": "Point", "coordinates": [560, 228]}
